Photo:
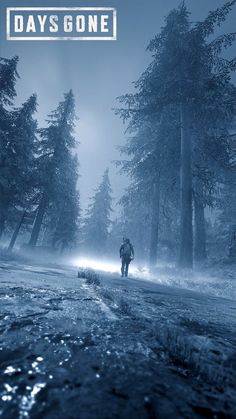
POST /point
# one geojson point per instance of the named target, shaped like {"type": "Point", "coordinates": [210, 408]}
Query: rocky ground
{"type": "Point", "coordinates": [100, 346]}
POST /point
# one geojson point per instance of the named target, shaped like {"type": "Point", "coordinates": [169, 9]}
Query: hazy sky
{"type": "Point", "coordinates": [97, 72]}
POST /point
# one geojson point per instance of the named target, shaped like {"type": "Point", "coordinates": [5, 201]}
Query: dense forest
{"type": "Point", "coordinates": [39, 169]}
{"type": "Point", "coordinates": [180, 150]}
{"type": "Point", "coordinates": [179, 156]}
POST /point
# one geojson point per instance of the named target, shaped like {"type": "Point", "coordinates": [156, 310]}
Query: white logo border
{"type": "Point", "coordinates": [64, 38]}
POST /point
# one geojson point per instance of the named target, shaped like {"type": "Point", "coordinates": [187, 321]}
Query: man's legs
{"type": "Point", "coordinates": [126, 267]}
{"type": "Point", "coordinates": [122, 266]}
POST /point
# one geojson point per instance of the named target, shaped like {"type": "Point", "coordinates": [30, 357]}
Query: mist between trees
{"type": "Point", "coordinates": [179, 155]}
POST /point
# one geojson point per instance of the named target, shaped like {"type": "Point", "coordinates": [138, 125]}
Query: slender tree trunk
{"type": "Point", "coordinates": [186, 227]}
{"type": "Point", "coordinates": [139, 251]}
{"type": "Point", "coordinates": [2, 224]}
{"type": "Point", "coordinates": [16, 232]}
{"type": "Point", "coordinates": [3, 217]}
{"type": "Point", "coordinates": [155, 223]}
{"type": "Point", "coordinates": [232, 245]}
{"type": "Point", "coordinates": [3, 211]}
{"type": "Point", "coordinates": [38, 220]}
{"type": "Point", "coordinates": [3, 205]}
{"type": "Point", "coordinates": [58, 225]}
{"type": "Point", "coordinates": [200, 226]}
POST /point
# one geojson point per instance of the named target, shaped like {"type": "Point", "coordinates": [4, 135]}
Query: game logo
{"type": "Point", "coordinates": [51, 23]}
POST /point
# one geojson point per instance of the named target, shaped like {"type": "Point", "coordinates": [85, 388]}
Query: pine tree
{"type": "Point", "coordinates": [227, 207]}
{"type": "Point", "coordinates": [97, 220]}
{"type": "Point", "coordinates": [66, 210]}
{"type": "Point", "coordinates": [185, 70]}
{"type": "Point", "coordinates": [55, 161]}
{"type": "Point", "coordinates": [18, 165]}
{"type": "Point", "coordinates": [153, 166]}
{"type": "Point", "coordinates": [8, 77]}
{"type": "Point", "coordinates": [135, 219]}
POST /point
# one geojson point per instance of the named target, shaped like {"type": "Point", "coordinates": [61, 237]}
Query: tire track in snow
{"type": "Point", "coordinates": [103, 306]}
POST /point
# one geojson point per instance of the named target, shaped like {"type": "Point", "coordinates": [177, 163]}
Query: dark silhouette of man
{"type": "Point", "coordinates": [126, 255]}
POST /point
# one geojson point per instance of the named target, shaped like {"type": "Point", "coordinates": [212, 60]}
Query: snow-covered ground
{"type": "Point", "coordinates": [104, 346]}
{"type": "Point", "coordinates": [217, 278]}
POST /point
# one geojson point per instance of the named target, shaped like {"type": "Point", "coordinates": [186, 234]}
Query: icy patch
{"type": "Point", "coordinates": [11, 370]}
{"type": "Point", "coordinates": [6, 398]}
{"type": "Point", "coordinates": [106, 309]}
{"type": "Point", "coordinates": [28, 401]}
{"type": "Point", "coordinates": [109, 314]}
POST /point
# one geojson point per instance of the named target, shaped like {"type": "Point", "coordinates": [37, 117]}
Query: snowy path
{"type": "Point", "coordinates": [121, 349]}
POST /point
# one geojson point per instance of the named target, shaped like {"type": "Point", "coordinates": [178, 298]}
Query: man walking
{"type": "Point", "coordinates": [126, 255]}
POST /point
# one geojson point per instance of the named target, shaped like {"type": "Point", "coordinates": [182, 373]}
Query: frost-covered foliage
{"type": "Point", "coordinates": [92, 278]}
{"type": "Point", "coordinates": [180, 121]}
{"type": "Point", "coordinates": [17, 146]}
{"type": "Point", "coordinates": [39, 168]}
{"type": "Point", "coordinates": [216, 277]}
{"type": "Point", "coordinates": [58, 169]}
{"type": "Point", "coordinates": [97, 219]}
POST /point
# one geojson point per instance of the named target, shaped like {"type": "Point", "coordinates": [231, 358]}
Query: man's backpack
{"type": "Point", "coordinates": [127, 251]}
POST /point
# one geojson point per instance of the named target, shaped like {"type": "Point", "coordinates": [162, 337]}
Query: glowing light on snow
{"type": "Point", "coordinates": [110, 267]}
{"type": "Point", "coordinates": [97, 265]}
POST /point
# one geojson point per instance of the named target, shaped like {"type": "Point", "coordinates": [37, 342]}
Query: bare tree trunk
{"type": "Point", "coordinates": [3, 212]}
{"type": "Point", "coordinates": [155, 223]}
{"type": "Point", "coordinates": [186, 227]}
{"type": "Point", "coordinates": [38, 220]}
{"type": "Point", "coordinates": [232, 246]}
{"type": "Point", "coordinates": [16, 232]}
{"type": "Point", "coordinates": [200, 225]}
{"type": "Point", "coordinates": [2, 224]}
{"type": "Point", "coordinates": [139, 251]}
